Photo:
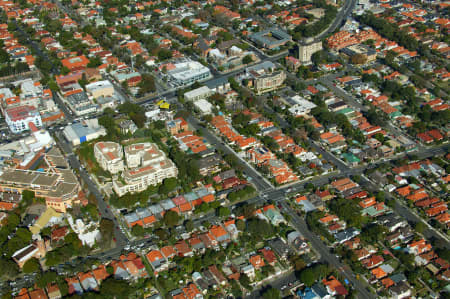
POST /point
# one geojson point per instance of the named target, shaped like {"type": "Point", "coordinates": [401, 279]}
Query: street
{"type": "Point", "coordinates": [300, 224]}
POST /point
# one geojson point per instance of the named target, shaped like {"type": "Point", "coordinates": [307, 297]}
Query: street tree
{"type": "Point", "coordinates": [171, 218]}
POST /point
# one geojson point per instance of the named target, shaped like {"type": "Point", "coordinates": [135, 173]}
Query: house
{"type": "Point", "coordinates": [248, 270]}
{"type": "Point", "coordinates": [292, 63]}
{"type": "Point", "coordinates": [346, 235]}
{"type": "Point", "coordinates": [279, 247]}
{"type": "Point", "coordinates": [373, 261]}
{"type": "Point", "coordinates": [157, 261]}
{"type": "Point", "coordinates": [127, 126]}
{"type": "Point", "coordinates": [273, 215]}
{"type": "Point", "coordinates": [418, 247]}
{"type": "Point", "coordinates": [296, 240]}
{"type": "Point", "coordinates": [391, 221]}
{"type": "Point", "coordinates": [119, 270]}
{"type": "Point", "coordinates": [256, 261]}
{"type": "Point", "coordinates": [217, 275]}
{"type": "Point", "coordinates": [168, 251]}
{"type": "Point", "coordinates": [183, 249]}
{"type": "Point", "coordinates": [74, 286]}
{"type": "Point", "coordinates": [219, 233]}
{"type": "Point", "coordinates": [53, 291]}
{"type": "Point", "coordinates": [100, 273]}
{"type": "Point", "coordinates": [269, 256]}
{"type": "Point", "coordinates": [33, 250]}
{"type": "Point", "coordinates": [59, 233]}
{"type": "Point", "coordinates": [88, 281]}
{"type": "Point", "coordinates": [196, 244]}
{"type": "Point", "coordinates": [334, 287]}
{"type": "Point", "coordinates": [400, 290]}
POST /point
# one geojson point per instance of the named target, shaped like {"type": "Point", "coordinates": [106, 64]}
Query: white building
{"type": "Point", "coordinates": [147, 165]}
{"type": "Point", "coordinates": [19, 118]}
{"type": "Point", "coordinates": [86, 130]}
{"type": "Point", "coordinates": [87, 233]}
{"type": "Point", "coordinates": [197, 94]}
{"type": "Point", "coordinates": [203, 106]}
{"type": "Point", "coordinates": [109, 156]}
{"type": "Point", "coordinates": [300, 107]}
{"type": "Point", "coordinates": [188, 72]}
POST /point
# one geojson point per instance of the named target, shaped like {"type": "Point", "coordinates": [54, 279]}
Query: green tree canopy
{"type": "Point", "coordinates": [30, 266]}
{"type": "Point", "coordinates": [171, 218]}
{"type": "Point", "coordinates": [137, 230]}
{"type": "Point", "coordinates": [271, 293]}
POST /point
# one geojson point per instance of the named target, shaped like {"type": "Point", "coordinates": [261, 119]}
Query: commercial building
{"type": "Point", "coordinates": [109, 156]}
{"type": "Point", "coordinates": [147, 165]}
{"type": "Point", "coordinates": [271, 38]}
{"type": "Point", "coordinates": [86, 130]}
{"type": "Point", "coordinates": [58, 185]}
{"type": "Point", "coordinates": [197, 94]}
{"type": "Point", "coordinates": [264, 78]}
{"type": "Point", "coordinates": [128, 75]}
{"type": "Point", "coordinates": [80, 104]}
{"type": "Point", "coordinates": [307, 48]}
{"type": "Point", "coordinates": [19, 118]}
{"type": "Point", "coordinates": [100, 89]}
{"type": "Point", "coordinates": [188, 72]}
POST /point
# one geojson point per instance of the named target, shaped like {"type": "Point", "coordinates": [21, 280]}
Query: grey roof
{"type": "Point", "coordinates": [399, 288]}
{"type": "Point", "coordinates": [191, 196]}
{"type": "Point", "coordinates": [209, 161]}
{"type": "Point", "coordinates": [387, 268]}
{"type": "Point", "coordinates": [156, 209]}
{"type": "Point", "coordinates": [264, 65]}
{"type": "Point", "coordinates": [319, 290]}
{"type": "Point", "coordinates": [143, 212]}
{"type": "Point", "coordinates": [307, 205]}
{"type": "Point", "coordinates": [227, 174]}
{"type": "Point", "coordinates": [77, 130]}
{"type": "Point", "coordinates": [279, 246]}
{"type": "Point", "coordinates": [167, 204]}
{"type": "Point", "coordinates": [398, 277]}
{"type": "Point", "coordinates": [276, 36]}
{"type": "Point", "coordinates": [294, 235]}
{"type": "Point", "coordinates": [132, 217]}
{"type": "Point", "coordinates": [345, 235]}
{"type": "Point", "coordinates": [202, 192]}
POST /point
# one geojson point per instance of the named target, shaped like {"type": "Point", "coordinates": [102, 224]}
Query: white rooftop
{"type": "Point", "coordinates": [197, 92]}
{"type": "Point", "coordinates": [98, 85]}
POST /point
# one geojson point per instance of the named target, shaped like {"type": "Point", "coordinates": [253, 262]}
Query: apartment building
{"type": "Point", "coordinates": [264, 78]}
{"type": "Point", "coordinates": [109, 155]}
{"type": "Point", "coordinates": [19, 118]}
{"type": "Point", "coordinates": [307, 48]}
{"type": "Point", "coordinates": [272, 38]}
{"type": "Point", "coordinates": [147, 165]}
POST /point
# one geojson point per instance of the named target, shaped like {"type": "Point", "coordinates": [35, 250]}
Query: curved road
{"type": "Point", "coordinates": [340, 17]}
